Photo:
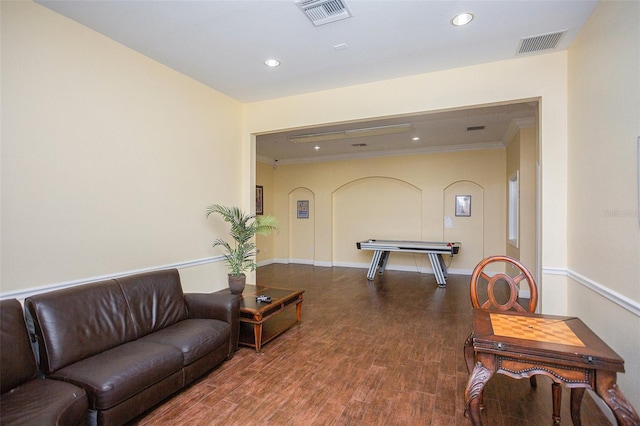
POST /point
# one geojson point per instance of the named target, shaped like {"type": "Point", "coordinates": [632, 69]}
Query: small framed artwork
{"type": "Point", "coordinates": [259, 200]}
{"type": "Point", "coordinates": [463, 205]}
{"type": "Point", "coordinates": [303, 209]}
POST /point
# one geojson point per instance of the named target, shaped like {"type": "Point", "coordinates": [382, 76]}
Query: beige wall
{"type": "Point", "coordinates": [391, 198]}
{"type": "Point", "coordinates": [513, 168]}
{"type": "Point", "coordinates": [265, 244]}
{"type": "Point", "coordinates": [528, 196]}
{"type": "Point", "coordinates": [108, 158]}
{"type": "Point", "coordinates": [603, 230]}
{"type": "Point", "coordinates": [521, 157]}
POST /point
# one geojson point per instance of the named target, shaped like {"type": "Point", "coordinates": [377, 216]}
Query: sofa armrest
{"type": "Point", "coordinates": [220, 306]}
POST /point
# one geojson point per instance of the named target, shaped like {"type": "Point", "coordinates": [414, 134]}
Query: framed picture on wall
{"type": "Point", "coordinates": [463, 205]}
{"type": "Point", "coordinates": [259, 199]}
{"type": "Point", "coordinates": [303, 209]}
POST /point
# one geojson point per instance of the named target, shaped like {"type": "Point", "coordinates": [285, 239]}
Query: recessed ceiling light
{"type": "Point", "coordinates": [462, 19]}
{"type": "Point", "coordinates": [272, 62]}
{"type": "Point", "coordinates": [317, 148]}
{"type": "Point", "coordinates": [415, 138]}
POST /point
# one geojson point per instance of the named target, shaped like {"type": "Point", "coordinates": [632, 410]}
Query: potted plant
{"type": "Point", "coordinates": [240, 255]}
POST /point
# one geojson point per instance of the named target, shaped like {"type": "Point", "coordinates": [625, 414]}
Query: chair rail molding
{"type": "Point", "coordinates": [23, 294]}
{"type": "Point", "coordinates": [621, 300]}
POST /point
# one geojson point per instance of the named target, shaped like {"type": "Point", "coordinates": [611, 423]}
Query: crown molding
{"type": "Point", "coordinates": [388, 153]}
{"type": "Point", "coordinates": [515, 126]}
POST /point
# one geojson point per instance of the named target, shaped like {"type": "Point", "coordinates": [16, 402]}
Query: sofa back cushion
{"type": "Point", "coordinates": [17, 362]}
{"type": "Point", "coordinates": [77, 322]}
{"type": "Point", "coordinates": [155, 300]}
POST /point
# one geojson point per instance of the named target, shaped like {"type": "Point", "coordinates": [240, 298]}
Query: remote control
{"type": "Point", "coordinates": [263, 298]}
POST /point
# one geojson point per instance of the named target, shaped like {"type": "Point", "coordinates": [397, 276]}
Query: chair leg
{"type": "Point", "coordinates": [576, 401]}
{"type": "Point", "coordinates": [556, 393]}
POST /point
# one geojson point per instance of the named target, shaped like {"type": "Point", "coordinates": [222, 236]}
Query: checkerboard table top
{"type": "Point", "coordinates": [560, 337]}
{"type": "Point", "coordinates": [533, 328]}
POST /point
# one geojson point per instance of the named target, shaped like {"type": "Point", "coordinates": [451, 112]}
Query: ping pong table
{"type": "Point", "coordinates": [435, 250]}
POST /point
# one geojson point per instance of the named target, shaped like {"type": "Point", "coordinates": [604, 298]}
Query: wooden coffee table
{"type": "Point", "coordinates": [261, 322]}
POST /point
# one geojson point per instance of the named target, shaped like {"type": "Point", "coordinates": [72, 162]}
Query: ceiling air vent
{"type": "Point", "coordinates": [540, 42]}
{"type": "Point", "coordinates": [322, 12]}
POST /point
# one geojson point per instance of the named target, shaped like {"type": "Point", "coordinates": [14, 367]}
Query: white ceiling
{"type": "Point", "coordinates": [223, 44]}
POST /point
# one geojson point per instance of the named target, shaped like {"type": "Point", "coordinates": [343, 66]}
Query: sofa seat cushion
{"type": "Point", "coordinates": [195, 338]}
{"type": "Point", "coordinates": [44, 402]}
{"type": "Point", "coordinates": [115, 375]}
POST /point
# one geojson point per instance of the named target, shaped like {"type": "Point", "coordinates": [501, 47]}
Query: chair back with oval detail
{"type": "Point", "coordinates": [485, 288]}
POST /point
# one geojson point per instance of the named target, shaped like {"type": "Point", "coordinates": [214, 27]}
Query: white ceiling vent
{"type": "Point", "coordinates": [540, 42]}
{"type": "Point", "coordinates": [322, 12]}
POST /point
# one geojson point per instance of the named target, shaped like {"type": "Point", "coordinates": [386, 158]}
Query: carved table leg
{"type": "Point", "coordinates": [469, 353]}
{"type": "Point", "coordinates": [608, 390]}
{"type": "Point", "coordinates": [576, 402]}
{"type": "Point", "coordinates": [472, 395]}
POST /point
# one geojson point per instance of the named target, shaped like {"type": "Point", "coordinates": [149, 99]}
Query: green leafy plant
{"type": "Point", "coordinates": [240, 256]}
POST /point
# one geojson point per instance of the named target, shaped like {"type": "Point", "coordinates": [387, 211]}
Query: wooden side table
{"type": "Point", "coordinates": [521, 345]}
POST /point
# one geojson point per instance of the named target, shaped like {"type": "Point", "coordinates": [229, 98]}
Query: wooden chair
{"type": "Point", "coordinates": [483, 296]}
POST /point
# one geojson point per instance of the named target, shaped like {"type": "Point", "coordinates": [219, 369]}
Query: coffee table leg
{"type": "Point", "coordinates": [299, 312]}
{"type": "Point", "coordinates": [257, 335]}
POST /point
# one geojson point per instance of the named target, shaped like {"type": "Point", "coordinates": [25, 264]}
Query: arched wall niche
{"type": "Point", "coordinates": [302, 226]}
{"type": "Point", "coordinates": [376, 207]}
{"type": "Point", "coordinates": [462, 225]}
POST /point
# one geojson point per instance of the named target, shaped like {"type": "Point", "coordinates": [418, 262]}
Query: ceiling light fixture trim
{"type": "Point", "coordinates": [462, 19]}
{"type": "Point", "coordinates": [352, 133]}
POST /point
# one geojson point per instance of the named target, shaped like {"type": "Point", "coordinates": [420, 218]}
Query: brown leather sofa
{"type": "Point", "coordinates": [27, 399]}
{"type": "Point", "coordinates": [131, 342]}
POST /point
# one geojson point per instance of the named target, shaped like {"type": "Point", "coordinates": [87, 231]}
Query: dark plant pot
{"type": "Point", "coordinates": [237, 283]}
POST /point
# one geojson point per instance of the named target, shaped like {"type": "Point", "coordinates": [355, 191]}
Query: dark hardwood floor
{"type": "Point", "coordinates": [387, 352]}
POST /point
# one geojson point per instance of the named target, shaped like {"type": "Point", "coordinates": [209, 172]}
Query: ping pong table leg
{"type": "Point", "coordinates": [383, 262]}
{"type": "Point", "coordinates": [374, 264]}
{"type": "Point", "coordinates": [437, 270]}
{"type": "Point", "coordinates": [443, 266]}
